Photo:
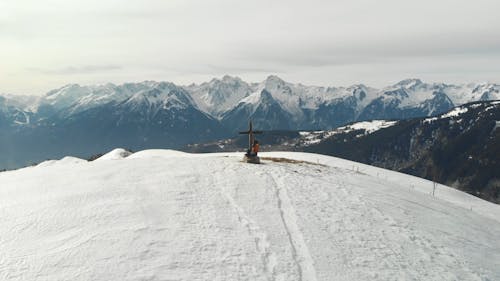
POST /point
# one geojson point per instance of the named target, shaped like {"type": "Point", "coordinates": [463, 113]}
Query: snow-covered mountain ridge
{"type": "Point", "coordinates": [307, 107]}
{"type": "Point", "coordinates": [161, 214]}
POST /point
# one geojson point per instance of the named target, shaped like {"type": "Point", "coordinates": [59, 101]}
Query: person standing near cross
{"type": "Point", "coordinates": [253, 145]}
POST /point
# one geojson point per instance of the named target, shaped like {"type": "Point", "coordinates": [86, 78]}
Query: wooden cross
{"type": "Point", "coordinates": [250, 134]}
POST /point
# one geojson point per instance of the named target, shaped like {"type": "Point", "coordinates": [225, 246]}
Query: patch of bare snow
{"type": "Point", "coordinates": [455, 112]}
{"type": "Point", "coordinates": [370, 126]}
{"type": "Point", "coordinates": [314, 137]}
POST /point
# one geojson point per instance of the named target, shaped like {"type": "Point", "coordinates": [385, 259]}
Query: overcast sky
{"type": "Point", "coordinates": [46, 44]}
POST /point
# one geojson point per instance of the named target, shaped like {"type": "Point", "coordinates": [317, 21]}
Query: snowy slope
{"type": "Point", "coordinates": [168, 215]}
{"type": "Point", "coordinates": [367, 127]}
{"type": "Point", "coordinates": [459, 110]}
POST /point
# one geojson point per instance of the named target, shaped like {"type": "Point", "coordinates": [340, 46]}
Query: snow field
{"type": "Point", "coordinates": [168, 215]}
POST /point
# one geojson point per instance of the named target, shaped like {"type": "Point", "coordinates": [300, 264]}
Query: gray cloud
{"type": "Point", "coordinates": [375, 50]}
{"type": "Point", "coordinates": [321, 41]}
{"type": "Point", "coordinates": [72, 70]}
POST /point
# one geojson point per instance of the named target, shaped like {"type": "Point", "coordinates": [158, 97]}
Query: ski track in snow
{"type": "Point", "coordinates": [170, 216]}
{"type": "Point", "coordinates": [260, 237]}
{"type": "Point", "coordinates": [300, 250]}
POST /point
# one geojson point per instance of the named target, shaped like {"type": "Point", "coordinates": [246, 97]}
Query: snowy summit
{"type": "Point", "coordinates": [168, 215]}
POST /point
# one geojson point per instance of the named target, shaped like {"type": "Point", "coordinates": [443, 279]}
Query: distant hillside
{"type": "Point", "coordinates": [460, 148]}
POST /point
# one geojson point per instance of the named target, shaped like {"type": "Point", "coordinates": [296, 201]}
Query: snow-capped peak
{"type": "Point", "coordinates": [274, 83]}
{"type": "Point", "coordinates": [409, 83]}
{"type": "Point", "coordinates": [256, 99]}
{"type": "Point", "coordinates": [73, 97]}
{"type": "Point", "coordinates": [231, 79]}
{"type": "Point", "coordinates": [219, 95]}
{"type": "Point", "coordinates": [163, 94]}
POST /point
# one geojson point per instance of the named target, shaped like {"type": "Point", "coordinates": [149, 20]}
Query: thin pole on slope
{"type": "Point", "coordinates": [434, 185]}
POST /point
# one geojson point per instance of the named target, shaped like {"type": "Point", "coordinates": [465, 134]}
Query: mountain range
{"type": "Point", "coordinates": [82, 120]}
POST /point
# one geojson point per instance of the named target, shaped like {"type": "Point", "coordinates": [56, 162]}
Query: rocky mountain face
{"type": "Point", "coordinates": [81, 120]}
{"type": "Point", "coordinates": [262, 109]}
